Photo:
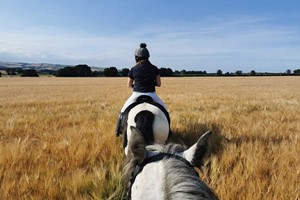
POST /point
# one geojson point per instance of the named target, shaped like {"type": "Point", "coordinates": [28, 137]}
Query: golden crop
{"type": "Point", "coordinates": [57, 135]}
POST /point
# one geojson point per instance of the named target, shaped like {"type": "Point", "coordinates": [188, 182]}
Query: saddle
{"type": "Point", "coordinates": [124, 116]}
{"type": "Point", "coordinates": [147, 99]}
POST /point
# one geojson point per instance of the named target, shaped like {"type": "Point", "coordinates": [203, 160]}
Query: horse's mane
{"type": "Point", "coordinates": [168, 148]}
{"type": "Point", "coordinates": [181, 181]}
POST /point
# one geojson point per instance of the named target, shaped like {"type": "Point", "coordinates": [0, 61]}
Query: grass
{"type": "Point", "coordinates": [57, 135]}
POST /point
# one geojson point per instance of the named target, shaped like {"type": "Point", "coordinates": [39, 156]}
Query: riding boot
{"type": "Point", "coordinates": [118, 126]}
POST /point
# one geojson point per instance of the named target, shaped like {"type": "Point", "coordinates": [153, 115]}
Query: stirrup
{"type": "Point", "coordinates": [118, 126]}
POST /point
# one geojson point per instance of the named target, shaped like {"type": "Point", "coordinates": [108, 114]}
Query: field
{"type": "Point", "coordinates": [57, 135]}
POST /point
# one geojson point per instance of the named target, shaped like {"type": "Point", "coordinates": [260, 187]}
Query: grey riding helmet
{"type": "Point", "coordinates": [142, 52]}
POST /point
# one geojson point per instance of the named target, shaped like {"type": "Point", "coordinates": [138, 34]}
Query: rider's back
{"type": "Point", "coordinates": [144, 75]}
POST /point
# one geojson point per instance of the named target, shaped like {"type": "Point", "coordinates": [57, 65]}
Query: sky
{"type": "Point", "coordinates": [260, 35]}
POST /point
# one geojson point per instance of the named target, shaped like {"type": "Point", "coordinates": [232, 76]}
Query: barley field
{"type": "Point", "coordinates": [57, 135]}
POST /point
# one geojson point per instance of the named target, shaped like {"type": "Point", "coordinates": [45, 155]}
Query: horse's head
{"type": "Point", "coordinates": [195, 154]}
{"type": "Point", "coordinates": [167, 170]}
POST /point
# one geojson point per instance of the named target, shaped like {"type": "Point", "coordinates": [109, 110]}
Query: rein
{"type": "Point", "coordinates": [158, 157]}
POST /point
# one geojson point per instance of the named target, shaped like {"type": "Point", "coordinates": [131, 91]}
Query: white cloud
{"type": "Point", "coordinates": [60, 46]}
{"type": "Point", "coordinates": [211, 43]}
{"type": "Point", "coordinates": [254, 43]}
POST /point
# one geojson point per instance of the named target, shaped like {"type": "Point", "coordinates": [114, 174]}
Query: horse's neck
{"type": "Point", "coordinates": [150, 184]}
{"type": "Point", "coordinates": [169, 179]}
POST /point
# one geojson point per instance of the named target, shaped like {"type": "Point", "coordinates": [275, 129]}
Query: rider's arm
{"type": "Point", "coordinates": [130, 83]}
{"type": "Point", "coordinates": [158, 81]}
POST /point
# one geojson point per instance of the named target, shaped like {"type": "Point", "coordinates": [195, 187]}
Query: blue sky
{"type": "Point", "coordinates": [260, 35]}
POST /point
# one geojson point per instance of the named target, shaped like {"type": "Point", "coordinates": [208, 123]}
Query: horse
{"type": "Point", "coordinates": [151, 118]}
{"type": "Point", "coordinates": [165, 171]}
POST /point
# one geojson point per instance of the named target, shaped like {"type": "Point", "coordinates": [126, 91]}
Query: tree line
{"type": "Point", "coordinates": [84, 70]}
{"type": "Point", "coordinates": [21, 72]}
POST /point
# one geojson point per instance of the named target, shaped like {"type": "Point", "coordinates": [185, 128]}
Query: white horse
{"type": "Point", "coordinates": [150, 118]}
{"type": "Point", "coordinates": [165, 171]}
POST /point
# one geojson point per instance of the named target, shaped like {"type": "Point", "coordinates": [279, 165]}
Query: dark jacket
{"type": "Point", "coordinates": [144, 76]}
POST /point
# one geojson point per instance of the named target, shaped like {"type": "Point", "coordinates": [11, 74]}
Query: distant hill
{"type": "Point", "coordinates": [38, 66]}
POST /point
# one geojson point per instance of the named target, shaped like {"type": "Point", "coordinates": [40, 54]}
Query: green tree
{"type": "Point", "coordinates": [97, 73]}
{"type": "Point", "coordinates": [111, 72]}
{"type": "Point", "coordinates": [297, 71]}
{"type": "Point", "coordinates": [253, 73]}
{"type": "Point", "coordinates": [29, 73]}
{"type": "Point", "coordinates": [76, 71]}
{"type": "Point", "coordinates": [219, 72]}
{"type": "Point", "coordinates": [238, 72]}
{"type": "Point", "coordinates": [165, 72]}
{"type": "Point", "coordinates": [83, 71]}
{"type": "Point", "coordinates": [11, 71]}
{"type": "Point", "coordinates": [124, 72]}
{"type": "Point", "coordinates": [66, 72]}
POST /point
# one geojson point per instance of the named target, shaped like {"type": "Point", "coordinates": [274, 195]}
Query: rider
{"type": "Point", "coordinates": [143, 78]}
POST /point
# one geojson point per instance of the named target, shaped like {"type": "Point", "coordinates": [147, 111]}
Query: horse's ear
{"type": "Point", "coordinates": [137, 145]}
{"type": "Point", "coordinates": [196, 153]}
